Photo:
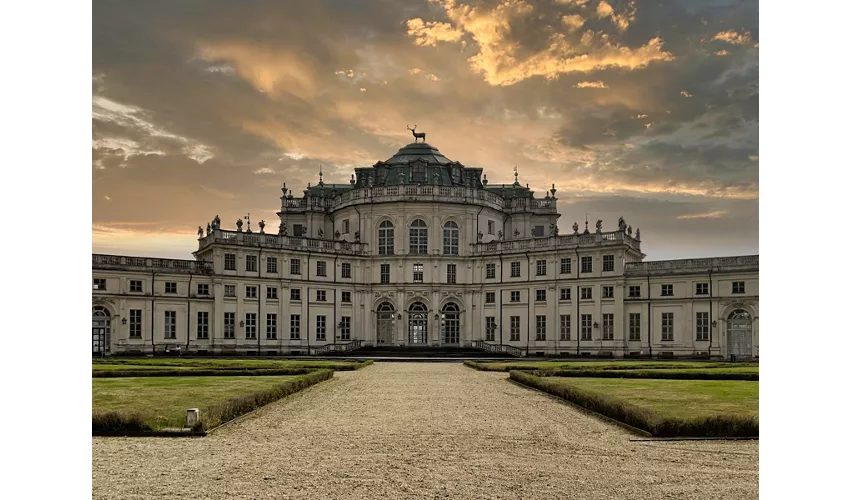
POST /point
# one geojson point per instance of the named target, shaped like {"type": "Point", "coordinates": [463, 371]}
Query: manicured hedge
{"type": "Point", "coordinates": [708, 374]}
{"type": "Point", "coordinates": [200, 372]}
{"type": "Point", "coordinates": [114, 422]}
{"type": "Point", "coordinates": [642, 418]}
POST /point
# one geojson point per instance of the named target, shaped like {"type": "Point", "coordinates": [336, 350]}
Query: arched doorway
{"type": "Point", "coordinates": [101, 322]}
{"type": "Point", "coordinates": [739, 334]}
{"type": "Point", "coordinates": [385, 324]}
{"type": "Point", "coordinates": [418, 323]}
{"type": "Point", "coordinates": [451, 323]}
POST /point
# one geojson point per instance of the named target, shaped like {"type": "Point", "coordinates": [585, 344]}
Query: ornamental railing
{"type": "Point", "coordinates": [414, 192]}
{"type": "Point", "coordinates": [346, 347]}
{"type": "Point", "coordinates": [685, 266]}
{"type": "Point", "coordinates": [497, 348]}
{"type": "Point", "coordinates": [226, 237]}
{"type": "Point", "coordinates": [556, 243]}
{"type": "Point", "coordinates": [102, 261]}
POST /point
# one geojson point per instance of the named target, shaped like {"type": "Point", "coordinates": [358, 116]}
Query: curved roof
{"type": "Point", "coordinates": [418, 150]}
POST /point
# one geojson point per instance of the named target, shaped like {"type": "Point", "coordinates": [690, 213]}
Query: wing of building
{"type": "Point", "coordinates": [419, 250]}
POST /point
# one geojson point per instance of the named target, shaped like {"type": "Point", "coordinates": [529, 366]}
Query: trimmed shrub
{"type": "Point", "coordinates": [241, 372]}
{"type": "Point", "coordinates": [709, 374]}
{"type": "Point", "coordinates": [115, 422]}
{"type": "Point", "coordinates": [643, 418]}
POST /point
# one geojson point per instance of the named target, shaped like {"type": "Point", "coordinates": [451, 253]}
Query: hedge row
{"type": "Point", "coordinates": [642, 418]}
{"type": "Point", "coordinates": [115, 423]}
{"type": "Point", "coordinates": [489, 366]}
{"type": "Point", "coordinates": [709, 374]}
{"type": "Point", "coordinates": [200, 373]}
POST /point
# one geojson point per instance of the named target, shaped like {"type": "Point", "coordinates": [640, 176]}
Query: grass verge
{"type": "Point", "coordinates": [500, 366]}
{"type": "Point", "coordinates": [658, 424]}
{"type": "Point", "coordinates": [186, 364]}
{"type": "Point", "coordinates": [671, 374]}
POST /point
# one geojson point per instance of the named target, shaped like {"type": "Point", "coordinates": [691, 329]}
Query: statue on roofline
{"type": "Point", "coordinates": [200, 232]}
{"type": "Point", "coordinates": [599, 225]}
{"type": "Point", "coordinates": [575, 227]}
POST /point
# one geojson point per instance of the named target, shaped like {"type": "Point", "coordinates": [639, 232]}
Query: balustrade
{"type": "Point", "coordinates": [100, 261]}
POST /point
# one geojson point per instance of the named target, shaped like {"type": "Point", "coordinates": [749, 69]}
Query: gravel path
{"type": "Point", "coordinates": [423, 430]}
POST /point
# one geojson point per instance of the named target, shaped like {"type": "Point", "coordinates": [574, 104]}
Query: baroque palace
{"type": "Point", "coordinates": [419, 250]}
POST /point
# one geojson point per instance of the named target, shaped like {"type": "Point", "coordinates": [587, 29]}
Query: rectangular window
{"type": "Point", "coordinates": [135, 285]}
{"type": "Point", "coordinates": [702, 288]}
{"type": "Point", "coordinates": [320, 327]}
{"type": "Point", "coordinates": [451, 239]}
{"type": "Point", "coordinates": [135, 323]}
{"type": "Point", "coordinates": [634, 292]}
{"type": "Point", "coordinates": [203, 289]}
{"type": "Point", "coordinates": [586, 293]}
{"type": "Point", "coordinates": [491, 227]}
{"type": "Point", "coordinates": [607, 263]}
{"type": "Point", "coordinates": [321, 268]}
{"type": "Point", "coordinates": [271, 292]}
{"type": "Point", "coordinates": [386, 235]}
{"type": "Point", "coordinates": [607, 326]}
{"type": "Point", "coordinates": [538, 231]}
{"type": "Point", "coordinates": [702, 326]}
{"type": "Point", "coordinates": [385, 273]}
{"type": "Point", "coordinates": [418, 238]}
{"type": "Point", "coordinates": [230, 262]}
{"type": "Point", "coordinates": [346, 297]}
{"type": "Point", "coordinates": [271, 265]}
{"type": "Point", "coordinates": [451, 274]}
{"type": "Point", "coordinates": [490, 297]}
{"type": "Point", "coordinates": [540, 295]}
{"type": "Point", "coordinates": [346, 270]}
{"type": "Point", "coordinates": [295, 266]}
{"type": "Point", "coordinates": [271, 326]}
{"type": "Point", "coordinates": [321, 296]}
{"type": "Point", "coordinates": [203, 325]}
{"type": "Point", "coordinates": [565, 294]}
{"type": "Point", "coordinates": [295, 327]}
{"type": "Point", "coordinates": [541, 327]}
{"type": "Point", "coordinates": [251, 263]}
{"type": "Point", "coordinates": [229, 325]}
{"type": "Point", "coordinates": [514, 269]}
{"type": "Point", "coordinates": [230, 290]}
{"type": "Point", "coordinates": [607, 292]}
{"type": "Point", "coordinates": [666, 290]}
{"type": "Point", "coordinates": [565, 327]}
{"type": "Point", "coordinates": [634, 326]}
{"type": "Point", "coordinates": [667, 327]}
{"type": "Point", "coordinates": [250, 292]}
{"type": "Point", "coordinates": [587, 264]}
{"type": "Point", "coordinates": [171, 324]}
{"type": "Point", "coordinates": [566, 266]}
{"type": "Point", "coordinates": [514, 328]}
{"type": "Point", "coordinates": [345, 328]}
{"type": "Point", "coordinates": [587, 327]}
{"type": "Point", "coordinates": [514, 296]}
{"type": "Point", "coordinates": [250, 325]}
{"type": "Point", "coordinates": [737, 287]}
{"type": "Point", "coordinates": [170, 287]}
{"type": "Point", "coordinates": [490, 271]}
{"type": "Point", "coordinates": [294, 294]}
{"type": "Point", "coordinates": [299, 231]}
{"type": "Point", "coordinates": [346, 226]}
{"type": "Point", "coordinates": [541, 268]}
{"type": "Point", "coordinates": [490, 328]}
{"type": "Point", "coordinates": [418, 273]}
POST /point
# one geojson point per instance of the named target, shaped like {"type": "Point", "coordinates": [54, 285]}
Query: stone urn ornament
{"type": "Point", "coordinates": [262, 225]}
{"type": "Point", "coordinates": [575, 227]}
{"type": "Point", "coordinates": [239, 225]}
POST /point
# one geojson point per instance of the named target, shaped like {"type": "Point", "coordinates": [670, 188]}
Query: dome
{"type": "Point", "coordinates": [418, 150]}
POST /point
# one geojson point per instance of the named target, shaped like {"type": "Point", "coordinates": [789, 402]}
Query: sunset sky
{"type": "Point", "coordinates": [649, 110]}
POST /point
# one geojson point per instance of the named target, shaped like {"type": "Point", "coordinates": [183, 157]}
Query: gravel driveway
{"type": "Point", "coordinates": [421, 430]}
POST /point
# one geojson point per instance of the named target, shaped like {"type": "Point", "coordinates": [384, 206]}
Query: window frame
{"type": "Point", "coordinates": [517, 294]}
{"type": "Point", "coordinates": [295, 267]}
{"type": "Point", "coordinates": [488, 296]}
{"type": "Point", "coordinates": [271, 326]}
{"type": "Point", "coordinates": [703, 327]}
{"type": "Point", "coordinates": [385, 274]}
{"type": "Point", "coordinates": [607, 263]}
{"type": "Point", "coordinates": [294, 327]}
{"type": "Point", "coordinates": [588, 268]}
{"type": "Point", "coordinates": [321, 327]}
{"type": "Point", "coordinates": [138, 288]}
{"type": "Point", "coordinates": [271, 265]}
{"type": "Point", "coordinates": [230, 262]}
{"type": "Point", "coordinates": [171, 287]}
{"type": "Point", "coordinates": [345, 270]}
{"type": "Point", "coordinates": [515, 328]}
{"type": "Point", "coordinates": [566, 265]}
{"type": "Point", "coordinates": [202, 328]}
{"type": "Point", "coordinates": [271, 293]}
{"type": "Point", "coordinates": [386, 238]}
{"type": "Point", "coordinates": [540, 327]}
{"type": "Point", "coordinates": [451, 238]}
{"type": "Point", "coordinates": [322, 268]}
{"type": "Point", "coordinates": [540, 295]}
{"type": "Point", "coordinates": [516, 270]}
{"type": "Point", "coordinates": [565, 294]}
{"type": "Point", "coordinates": [490, 271]}
{"type": "Point", "coordinates": [135, 323]}
{"type": "Point", "coordinates": [295, 295]}
{"type": "Point", "coordinates": [667, 290]}
{"type": "Point", "coordinates": [667, 325]}
{"type": "Point", "coordinates": [321, 295]}
{"type": "Point", "coordinates": [566, 326]}
{"type": "Point", "coordinates": [607, 326]}
{"type": "Point", "coordinates": [451, 274]}
{"type": "Point", "coordinates": [345, 328]}
{"type": "Point", "coordinates": [417, 237]}
{"type": "Point", "coordinates": [586, 331]}
{"type": "Point", "coordinates": [607, 291]}
{"type": "Point", "coordinates": [229, 325]}
{"type": "Point", "coordinates": [739, 287]}
{"type": "Point", "coordinates": [250, 263]}
{"type": "Point", "coordinates": [170, 325]}
{"type": "Point", "coordinates": [250, 326]}
{"type": "Point", "coordinates": [634, 327]}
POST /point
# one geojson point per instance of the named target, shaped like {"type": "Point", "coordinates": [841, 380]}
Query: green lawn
{"type": "Point", "coordinates": [677, 398]}
{"type": "Point", "coordinates": [162, 401]}
{"type": "Point", "coordinates": [614, 365]}
{"type": "Point", "coordinates": [206, 363]}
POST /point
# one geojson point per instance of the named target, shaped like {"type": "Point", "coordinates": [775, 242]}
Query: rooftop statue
{"type": "Point", "coordinates": [599, 225]}
{"type": "Point", "coordinates": [575, 227]}
{"type": "Point", "coordinates": [416, 135]}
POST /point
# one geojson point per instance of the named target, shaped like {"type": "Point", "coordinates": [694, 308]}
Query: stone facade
{"type": "Point", "coordinates": [420, 250]}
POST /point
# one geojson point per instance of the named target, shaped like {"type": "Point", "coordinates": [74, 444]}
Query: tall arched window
{"type": "Point", "coordinates": [386, 235]}
{"type": "Point", "coordinates": [418, 237]}
{"type": "Point", "coordinates": [450, 238]}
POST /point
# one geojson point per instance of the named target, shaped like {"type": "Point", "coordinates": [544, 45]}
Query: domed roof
{"type": "Point", "coordinates": [418, 150]}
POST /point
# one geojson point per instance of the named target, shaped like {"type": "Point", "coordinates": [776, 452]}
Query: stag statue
{"type": "Point", "coordinates": [416, 135]}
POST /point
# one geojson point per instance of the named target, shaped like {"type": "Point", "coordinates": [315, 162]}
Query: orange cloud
{"type": "Point", "coordinates": [733, 37]}
{"type": "Point", "coordinates": [708, 215]}
{"type": "Point", "coordinates": [428, 34]}
{"type": "Point", "coordinates": [591, 85]}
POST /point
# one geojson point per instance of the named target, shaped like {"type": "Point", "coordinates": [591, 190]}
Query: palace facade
{"type": "Point", "coordinates": [419, 250]}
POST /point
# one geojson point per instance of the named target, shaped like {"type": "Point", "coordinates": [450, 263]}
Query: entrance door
{"type": "Point", "coordinates": [451, 323]}
{"type": "Point", "coordinates": [385, 324]}
{"type": "Point", "coordinates": [739, 328]}
{"type": "Point", "coordinates": [418, 324]}
{"type": "Point", "coordinates": [100, 324]}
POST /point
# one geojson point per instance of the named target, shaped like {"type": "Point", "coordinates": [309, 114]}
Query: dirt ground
{"type": "Point", "coordinates": [421, 430]}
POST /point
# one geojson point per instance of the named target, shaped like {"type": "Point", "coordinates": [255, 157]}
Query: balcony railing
{"type": "Point", "coordinates": [497, 348]}
{"type": "Point", "coordinates": [339, 347]}
{"type": "Point", "coordinates": [240, 238]}
{"type": "Point", "coordinates": [101, 261]}
{"type": "Point", "coordinates": [556, 242]}
{"type": "Point", "coordinates": [690, 266]}
{"type": "Point", "coordinates": [411, 192]}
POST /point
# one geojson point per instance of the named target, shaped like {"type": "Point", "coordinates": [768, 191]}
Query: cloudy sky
{"type": "Point", "coordinates": [647, 110]}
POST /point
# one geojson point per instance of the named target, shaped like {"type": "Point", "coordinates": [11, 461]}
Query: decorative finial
{"type": "Point", "coordinates": [485, 180]}
{"type": "Point", "coordinates": [585, 224]}
{"type": "Point", "coordinates": [239, 225]}
{"type": "Point", "coordinates": [321, 182]}
{"type": "Point", "coordinates": [248, 220]}
{"type": "Point", "coordinates": [516, 175]}
{"type": "Point", "coordinates": [352, 181]}
{"type": "Point", "coordinates": [553, 190]}
{"type": "Point", "coordinates": [637, 234]}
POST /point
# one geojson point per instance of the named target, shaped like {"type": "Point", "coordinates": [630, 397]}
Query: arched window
{"type": "Point", "coordinates": [386, 323]}
{"type": "Point", "coordinates": [450, 238]}
{"type": "Point", "coordinates": [386, 235]}
{"type": "Point", "coordinates": [450, 323]}
{"type": "Point", "coordinates": [418, 237]}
